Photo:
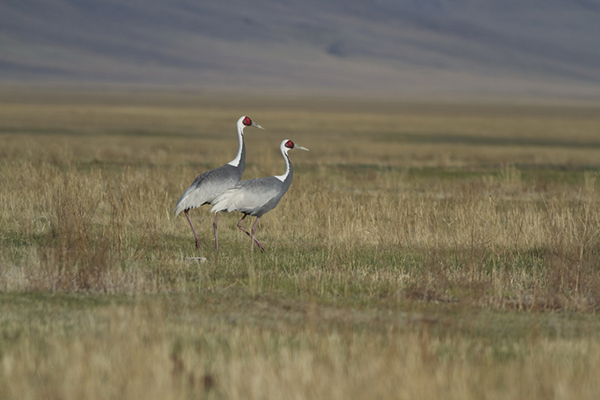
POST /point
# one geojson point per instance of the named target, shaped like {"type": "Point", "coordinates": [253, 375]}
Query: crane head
{"type": "Point", "coordinates": [246, 121]}
{"type": "Point", "coordinates": [291, 145]}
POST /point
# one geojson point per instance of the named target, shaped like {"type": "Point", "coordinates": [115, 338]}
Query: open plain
{"type": "Point", "coordinates": [425, 250]}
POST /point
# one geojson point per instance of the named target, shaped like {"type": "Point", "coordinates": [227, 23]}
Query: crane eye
{"type": "Point", "coordinates": [247, 121]}
{"type": "Point", "coordinates": [289, 144]}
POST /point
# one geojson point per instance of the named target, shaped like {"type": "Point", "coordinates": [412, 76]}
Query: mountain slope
{"type": "Point", "coordinates": [545, 47]}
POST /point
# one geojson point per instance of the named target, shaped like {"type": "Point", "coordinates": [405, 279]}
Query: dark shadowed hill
{"type": "Point", "coordinates": [404, 47]}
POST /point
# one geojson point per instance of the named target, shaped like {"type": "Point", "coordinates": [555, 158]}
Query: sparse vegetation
{"type": "Point", "coordinates": [423, 251]}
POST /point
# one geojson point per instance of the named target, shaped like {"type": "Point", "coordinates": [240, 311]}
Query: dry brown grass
{"type": "Point", "coordinates": [481, 208]}
{"type": "Point", "coordinates": [174, 347]}
{"type": "Point", "coordinates": [494, 198]}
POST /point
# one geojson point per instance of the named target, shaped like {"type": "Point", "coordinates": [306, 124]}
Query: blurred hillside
{"type": "Point", "coordinates": [539, 48]}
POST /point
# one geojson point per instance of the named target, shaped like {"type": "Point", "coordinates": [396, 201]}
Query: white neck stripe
{"type": "Point", "coordinates": [240, 128]}
{"type": "Point", "coordinates": [282, 178]}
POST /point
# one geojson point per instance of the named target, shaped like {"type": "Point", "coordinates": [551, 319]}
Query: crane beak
{"type": "Point", "coordinates": [300, 147]}
{"type": "Point", "coordinates": [257, 125]}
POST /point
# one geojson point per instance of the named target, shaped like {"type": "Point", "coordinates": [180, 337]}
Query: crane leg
{"type": "Point", "coordinates": [193, 230]}
{"type": "Point", "coordinates": [239, 225]}
{"type": "Point", "coordinates": [260, 246]}
{"type": "Point", "coordinates": [215, 229]}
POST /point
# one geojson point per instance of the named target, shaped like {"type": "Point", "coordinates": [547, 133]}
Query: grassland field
{"type": "Point", "coordinates": [425, 250]}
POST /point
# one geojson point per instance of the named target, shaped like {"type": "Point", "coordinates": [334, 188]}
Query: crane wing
{"type": "Point", "coordinates": [206, 187]}
{"type": "Point", "coordinates": [248, 196]}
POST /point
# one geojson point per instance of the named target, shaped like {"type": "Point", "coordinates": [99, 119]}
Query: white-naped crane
{"type": "Point", "coordinates": [211, 183]}
{"type": "Point", "coordinates": [256, 197]}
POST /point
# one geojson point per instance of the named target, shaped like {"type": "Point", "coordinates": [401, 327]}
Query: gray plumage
{"type": "Point", "coordinates": [253, 197]}
{"type": "Point", "coordinates": [207, 186]}
{"type": "Point", "coordinates": [256, 197]}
